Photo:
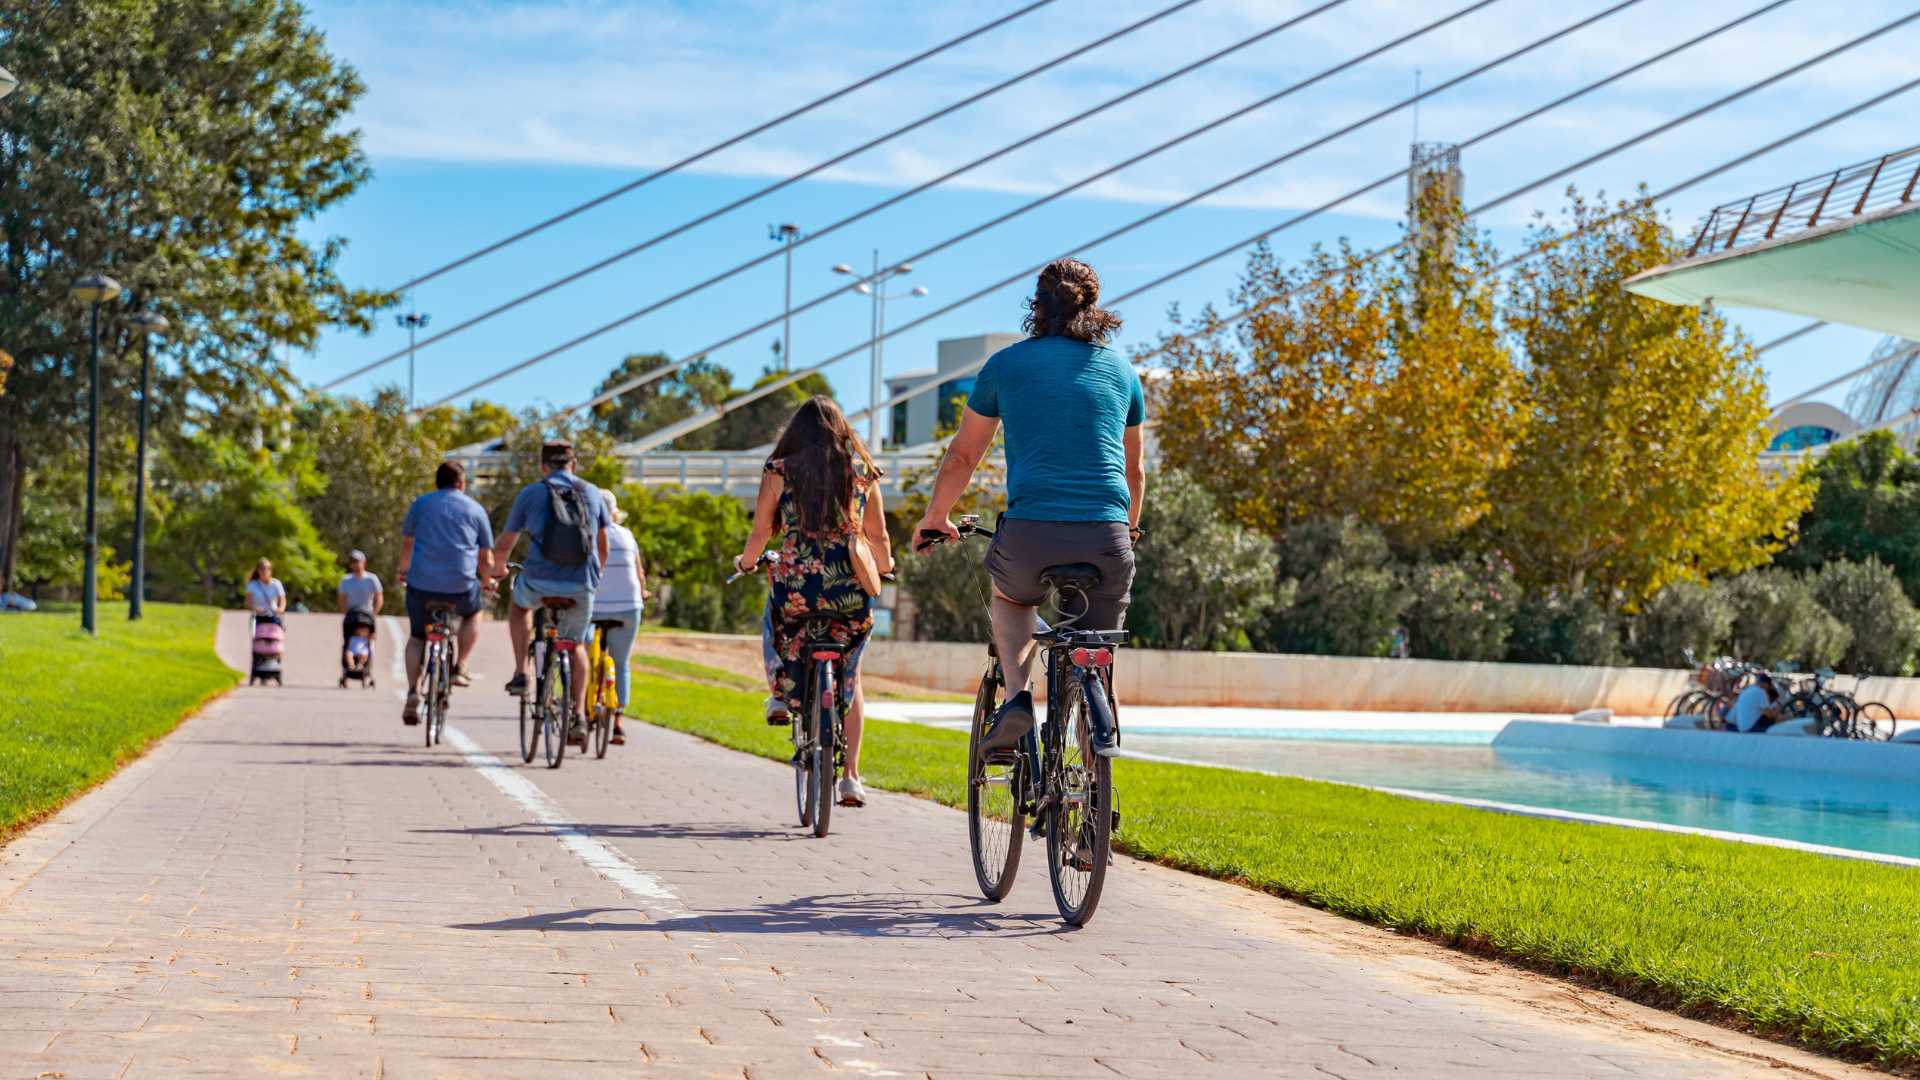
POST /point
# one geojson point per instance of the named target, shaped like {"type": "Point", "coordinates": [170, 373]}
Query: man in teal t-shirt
{"type": "Point", "coordinates": [1072, 410]}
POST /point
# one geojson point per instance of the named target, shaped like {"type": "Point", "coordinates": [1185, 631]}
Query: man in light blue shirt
{"type": "Point", "coordinates": [565, 551]}
{"type": "Point", "coordinates": [446, 549]}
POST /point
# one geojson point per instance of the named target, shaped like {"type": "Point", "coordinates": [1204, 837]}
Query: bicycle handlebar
{"type": "Point", "coordinates": [766, 559]}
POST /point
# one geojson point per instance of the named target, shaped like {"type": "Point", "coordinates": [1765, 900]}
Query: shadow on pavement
{"type": "Point", "coordinates": [849, 914]}
{"type": "Point", "coordinates": [690, 830]}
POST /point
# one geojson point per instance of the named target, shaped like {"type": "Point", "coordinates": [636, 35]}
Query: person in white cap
{"type": "Point", "coordinates": [620, 599]}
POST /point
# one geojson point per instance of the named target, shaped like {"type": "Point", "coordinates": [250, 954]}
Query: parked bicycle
{"type": "Point", "coordinates": [1060, 777]}
{"type": "Point", "coordinates": [546, 710]}
{"type": "Point", "coordinates": [819, 739]}
{"type": "Point", "coordinates": [437, 671]}
{"type": "Point", "coordinates": [1833, 713]}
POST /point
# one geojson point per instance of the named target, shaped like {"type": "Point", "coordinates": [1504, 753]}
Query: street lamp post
{"type": "Point", "coordinates": [413, 321]}
{"type": "Point", "coordinates": [146, 324]}
{"type": "Point", "coordinates": [875, 287]}
{"type": "Point", "coordinates": [786, 234]}
{"type": "Point", "coordinates": [7, 82]}
{"type": "Point", "coordinates": [93, 290]}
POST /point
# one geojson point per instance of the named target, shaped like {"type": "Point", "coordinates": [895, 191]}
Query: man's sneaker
{"type": "Point", "coordinates": [1009, 725]}
{"type": "Point", "coordinates": [852, 792]}
{"type": "Point", "coordinates": [517, 686]}
{"type": "Point", "coordinates": [410, 712]}
{"type": "Point", "coordinates": [461, 678]}
{"type": "Point", "coordinates": [777, 715]}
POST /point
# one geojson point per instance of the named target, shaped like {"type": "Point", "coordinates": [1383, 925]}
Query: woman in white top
{"type": "Point", "coordinates": [266, 597]}
{"type": "Point", "coordinates": [620, 597]}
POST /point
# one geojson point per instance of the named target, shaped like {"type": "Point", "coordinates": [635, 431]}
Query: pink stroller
{"type": "Point", "coordinates": [269, 643]}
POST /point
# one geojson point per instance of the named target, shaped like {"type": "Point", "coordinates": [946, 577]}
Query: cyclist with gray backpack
{"type": "Point", "coordinates": [565, 520]}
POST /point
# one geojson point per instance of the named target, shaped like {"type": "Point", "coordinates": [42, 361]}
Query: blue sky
{"type": "Point", "coordinates": [483, 117]}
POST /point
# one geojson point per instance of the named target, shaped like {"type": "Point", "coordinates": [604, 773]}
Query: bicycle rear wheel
{"type": "Point", "coordinates": [820, 769]}
{"type": "Point", "coordinates": [443, 692]}
{"type": "Point", "coordinates": [556, 713]}
{"type": "Point", "coordinates": [1080, 821]}
{"type": "Point", "coordinates": [1873, 721]}
{"type": "Point", "coordinates": [995, 827]}
{"type": "Point", "coordinates": [602, 730]}
{"type": "Point", "coordinates": [802, 771]}
{"type": "Point", "coordinates": [433, 694]}
{"type": "Point", "coordinates": [532, 700]}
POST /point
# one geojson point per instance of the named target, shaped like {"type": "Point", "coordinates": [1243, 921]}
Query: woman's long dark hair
{"type": "Point", "coordinates": [817, 452]}
{"type": "Point", "coordinates": [1065, 302]}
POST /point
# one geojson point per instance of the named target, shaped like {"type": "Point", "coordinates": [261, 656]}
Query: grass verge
{"type": "Point", "coordinates": [1817, 950]}
{"type": "Point", "coordinates": [74, 708]}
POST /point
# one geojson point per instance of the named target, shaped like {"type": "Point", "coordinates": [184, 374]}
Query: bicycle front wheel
{"type": "Point", "coordinates": [1080, 821]}
{"type": "Point", "coordinates": [556, 714]}
{"type": "Point", "coordinates": [995, 827]}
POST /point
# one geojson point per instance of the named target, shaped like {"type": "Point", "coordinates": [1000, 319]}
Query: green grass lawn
{"type": "Point", "coordinates": [1819, 950]}
{"type": "Point", "coordinates": [74, 708]}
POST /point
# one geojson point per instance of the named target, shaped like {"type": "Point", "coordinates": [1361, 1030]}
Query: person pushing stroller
{"type": "Point", "coordinates": [360, 599]}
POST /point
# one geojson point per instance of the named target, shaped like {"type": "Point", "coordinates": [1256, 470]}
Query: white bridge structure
{"type": "Point", "coordinates": [737, 472]}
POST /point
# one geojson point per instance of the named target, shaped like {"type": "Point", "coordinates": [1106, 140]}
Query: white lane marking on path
{"type": "Point", "coordinates": [600, 858]}
{"type": "Point", "coordinates": [589, 849]}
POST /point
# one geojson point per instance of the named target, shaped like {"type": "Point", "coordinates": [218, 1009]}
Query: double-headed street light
{"type": "Point", "coordinates": [146, 324]}
{"type": "Point", "coordinates": [413, 321]}
{"type": "Point", "coordinates": [7, 82]}
{"type": "Point", "coordinates": [787, 235]}
{"type": "Point", "coordinates": [875, 287]}
{"type": "Point", "coordinates": [93, 290]}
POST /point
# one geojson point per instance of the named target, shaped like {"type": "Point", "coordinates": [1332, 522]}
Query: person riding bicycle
{"type": "Point", "coordinates": [620, 598]}
{"type": "Point", "coordinates": [565, 520]}
{"type": "Point", "coordinates": [821, 490]}
{"type": "Point", "coordinates": [445, 553]}
{"type": "Point", "coordinates": [1072, 409]}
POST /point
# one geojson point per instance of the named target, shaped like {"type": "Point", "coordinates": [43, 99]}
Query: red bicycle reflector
{"type": "Point", "coordinates": [824, 655]}
{"type": "Point", "coordinates": [1092, 657]}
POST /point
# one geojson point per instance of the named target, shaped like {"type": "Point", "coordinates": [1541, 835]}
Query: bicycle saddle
{"type": "Point", "coordinates": [1079, 576]}
{"type": "Point", "coordinates": [441, 605]}
{"type": "Point", "coordinates": [557, 603]}
{"type": "Point", "coordinates": [607, 624]}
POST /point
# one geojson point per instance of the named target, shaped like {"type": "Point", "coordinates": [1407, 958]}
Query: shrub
{"type": "Point", "coordinates": [950, 592]}
{"type": "Point", "coordinates": [1200, 581]}
{"type": "Point", "coordinates": [1346, 598]}
{"type": "Point", "coordinates": [1778, 621]}
{"type": "Point", "coordinates": [1554, 627]}
{"type": "Point", "coordinates": [1684, 615]}
{"type": "Point", "coordinates": [1462, 610]}
{"type": "Point", "coordinates": [1868, 599]}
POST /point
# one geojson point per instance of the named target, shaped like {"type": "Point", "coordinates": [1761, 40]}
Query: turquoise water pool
{"type": "Point", "coordinates": [1864, 815]}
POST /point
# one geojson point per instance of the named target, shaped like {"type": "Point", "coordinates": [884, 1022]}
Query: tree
{"type": "Point", "coordinates": [1462, 608]}
{"type": "Point", "coordinates": [1868, 600]}
{"type": "Point", "coordinates": [1866, 506]}
{"type": "Point", "coordinates": [686, 539]}
{"type": "Point", "coordinates": [180, 148]}
{"type": "Point", "coordinates": [1641, 466]}
{"type": "Point", "coordinates": [1380, 388]}
{"type": "Point", "coordinates": [643, 410]}
{"type": "Point", "coordinates": [1684, 617]}
{"type": "Point", "coordinates": [1777, 620]}
{"type": "Point", "coordinates": [1346, 596]}
{"type": "Point", "coordinates": [229, 507]}
{"type": "Point", "coordinates": [1200, 581]}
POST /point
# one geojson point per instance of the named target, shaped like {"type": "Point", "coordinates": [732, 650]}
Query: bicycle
{"type": "Point", "coordinates": [603, 688]}
{"type": "Point", "coordinates": [437, 670]}
{"type": "Point", "coordinates": [1061, 774]}
{"type": "Point", "coordinates": [546, 714]}
{"type": "Point", "coordinates": [819, 740]}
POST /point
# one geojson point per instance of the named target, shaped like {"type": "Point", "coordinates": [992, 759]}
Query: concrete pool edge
{"type": "Point", "coordinates": [1552, 814]}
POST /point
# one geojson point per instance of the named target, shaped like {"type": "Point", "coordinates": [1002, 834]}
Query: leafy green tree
{"type": "Point", "coordinates": [229, 507]}
{"type": "Point", "coordinates": [181, 148]}
{"type": "Point", "coordinates": [687, 539]}
{"type": "Point", "coordinates": [1867, 506]}
{"type": "Point", "coordinates": [1200, 580]}
{"type": "Point", "coordinates": [1347, 596]}
{"type": "Point", "coordinates": [1685, 615]}
{"type": "Point", "coordinates": [1866, 597]}
{"type": "Point", "coordinates": [950, 591]}
{"type": "Point", "coordinates": [1641, 466]}
{"type": "Point", "coordinates": [1462, 608]}
{"type": "Point", "coordinates": [646, 409]}
{"type": "Point", "coordinates": [1554, 626]}
{"type": "Point", "coordinates": [1777, 620]}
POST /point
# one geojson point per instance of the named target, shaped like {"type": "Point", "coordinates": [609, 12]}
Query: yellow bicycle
{"type": "Point", "coordinates": [603, 693]}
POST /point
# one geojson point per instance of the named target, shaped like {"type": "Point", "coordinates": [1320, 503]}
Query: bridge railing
{"type": "Point", "coordinates": [1847, 192]}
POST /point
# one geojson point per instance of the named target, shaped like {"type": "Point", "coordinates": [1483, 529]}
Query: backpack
{"type": "Point", "coordinates": [570, 531]}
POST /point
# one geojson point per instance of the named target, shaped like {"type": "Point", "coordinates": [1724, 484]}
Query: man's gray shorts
{"type": "Point", "coordinates": [1021, 549]}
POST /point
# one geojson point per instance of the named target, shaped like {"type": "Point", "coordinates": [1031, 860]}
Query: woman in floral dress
{"type": "Point", "coordinates": [821, 491]}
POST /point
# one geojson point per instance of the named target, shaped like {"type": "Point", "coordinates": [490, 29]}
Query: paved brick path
{"type": "Point", "coordinates": [292, 885]}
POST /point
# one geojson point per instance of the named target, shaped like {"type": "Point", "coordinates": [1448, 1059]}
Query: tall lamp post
{"type": "Point", "coordinates": [7, 82]}
{"type": "Point", "coordinates": [413, 321]}
{"type": "Point", "coordinates": [875, 287]}
{"type": "Point", "coordinates": [146, 324]}
{"type": "Point", "coordinates": [93, 290]}
{"type": "Point", "coordinates": [786, 234]}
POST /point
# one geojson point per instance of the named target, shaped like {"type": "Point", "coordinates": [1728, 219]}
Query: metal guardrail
{"type": "Point", "coordinates": [1868, 186]}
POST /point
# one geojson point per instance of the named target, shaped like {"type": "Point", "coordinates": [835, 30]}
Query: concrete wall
{"type": "Point", "coordinates": [1267, 680]}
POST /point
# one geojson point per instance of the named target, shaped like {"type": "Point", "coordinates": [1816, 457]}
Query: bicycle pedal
{"type": "Point", "coordinates": [1115, 824]}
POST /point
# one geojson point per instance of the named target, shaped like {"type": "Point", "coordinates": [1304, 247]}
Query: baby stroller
{"type": "Point", "coordinates": [269, 643]}
{"type": "Point", "coordinates": [350, 627]}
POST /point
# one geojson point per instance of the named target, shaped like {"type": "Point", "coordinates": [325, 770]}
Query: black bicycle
{"type": "Point", "coordinates": [1060, 777]}
{"type": "Point", "coordinates": [437, 671]}
{"type": "Point", "coordinates": [819, 740]}
{"type": "Point", "coordinates": [546, 711]}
